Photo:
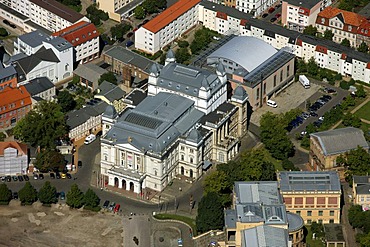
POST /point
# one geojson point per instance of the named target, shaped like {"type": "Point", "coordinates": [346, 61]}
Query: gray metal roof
{"type": "Point", "coordinates": [38, 27]}
{"type": "Point", "coordinates": [365, 11]}
{"type": "Point", "coordinates": [295, 222]}
{"type": "Point", "coordinates": [304, 4]}
{"type": "Point", "coordinates": [240, 93]}
{"type": "Point", "coordinates": [268, 67]}
{"type": "Point", "coordinates": [340, 140]}
{"type": "Point", "coordinates": [38, 85]}
{"type": "Point", "coordinates": [110, 112]}
{"type": "Point", "coordinates": [78, 117]}
{"type": "Point", "coordinates": [135, 97]}
{"type": "Point", "coordinates": [7, 71]}
{"type": "Point", "coordinates": [334, 232]}
{"type": "Point", "coordinates": [128, 57]}
{"type": "Point", "coordinates": [216, 116]}
{"type": "Point", "coordinates": [90, 71]}
{"type": "Point", "coordinates": [36, 38]}
{"type": "Point", "coordinates": [264, 236]}
{"type": "Point", "coordinates": [155, 123]}
{"type": "Point", "coordinates": [110, 91]}
{"type": "Point", "coordinates": [296, 181]}
{"type": "Point", "coordinates": [361, 179]}
{"type": "Point", "coordinates": [266, 192]}
{"type": "Point", "coordinates": [363, 189]}
{"type": "Point", "coordinates": [255, 51]}
{"type": "Point", "coordinates": [230, 218]}
{"type": "Point", "coordinates": [188, 80]}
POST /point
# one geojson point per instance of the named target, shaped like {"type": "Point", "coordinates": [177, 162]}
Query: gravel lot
{"type": "Point", "coordinates": [57, 226]}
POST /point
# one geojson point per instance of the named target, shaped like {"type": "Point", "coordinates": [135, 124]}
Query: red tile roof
{"type": "Point", "coordinates": [170, 14]}
{"type": "Point", "coordinates": [350, 18]}
{"type": "Point", "coordinates": [21, 147]}
{"type": "Point", "coordinates": [322, 49]}
{"type": "Point", "coordinates": [344, 56]}
{"type": "Point", "coordinates": [364, 28]}
{"type": "Point", "coordinates": [78, 33]}
{"type": "Point", "coordinates": [243, 22]}
{"type": "Point", "coordinates": [299, 42]}
{"type": "Point", "coordinates": [14, 95]}
{"type": "Point", "coordinates": [304, 11]}
{"type": "Point", "coordinates": [221, 15]}
{"type": "Point", "coordinates": [368, 65]}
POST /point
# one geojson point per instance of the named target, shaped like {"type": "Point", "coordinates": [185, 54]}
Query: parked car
{"type": "Point", "coordinates": [271, 103]}
{"type": "Point", "coordinates": [8, 178]}
{"type": "Point", "coordinates": [89, 139]}
{"type": "Point", "coordinates": [265, 15]}
{"type": "Point", "coordinates": [106, 204]}
{"type": "Point", "coordinates": [272, 9]}
{"type": "Point", "coordinates": [6, 22]}
{"type": "Point", "coordinates": [313, 114]}
{"type": "Point", "coordinates": [62, 195]}
{"type": "Point", "coordinates": [129, 43]}
{"type": "Point", "coordinates": [145, 21]}
{"type": "Point", "coordinates": [20, 178]}
{"type": "Point", "coordinates": [273, 19]}
{"type": "Point", "coordinates": [52, 175]}
{"type": "Point", "coordinates": [129, 35]}
{"type": "Point", "coordinates": [57, 175]}
{"type": "Point", "coordinates": [329, 90]}
{"type": "Point", "coordinates": [305, 115]}
{"type": "Point", "coordinates": [326, 96]}
{"type": "Point", "coordinates": [63, 175]}
{"type": "Point", "coordinates": [3, 179]}
{"type": "Point", "coordinates": [69, 176]}
{"type": "Point", "coordinates": [79, 163]}
{"type": "Point", "coordinates": [26, 178]}
{"type": "Point", "coordinates": [15, 178]}
{"type": "Point", "coordinates": [116, 208]}
{"type": "Point", "coordinates": [278, 15]}
{"type": "Point", "coordinates": [15, 195]}
{"type": "Point", "coordinates": [111, 206]}
{"type": "Point", "coordinates": [41, 176]}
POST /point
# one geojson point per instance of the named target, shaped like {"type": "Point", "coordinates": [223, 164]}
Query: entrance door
{"type": "Point", "coordinates": [182, 170]}
{"type": "Point", "coordinates": [116, 182]}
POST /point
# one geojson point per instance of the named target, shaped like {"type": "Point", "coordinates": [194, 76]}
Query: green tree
{"type": "Point", "coordinates": [139, 12]}
{"type": "Point", "coordinates": [310, 30]}
{"type": "Point", "coordinates": [2, 136]}
{"type": "Point", "coordinates": [361, 93]}
{"type": "Point", "coordinates": [66, 101]}
{"type": "Point", "coordinates": [42, 125]}
{"type": "Point", "coordinates": [202, 39]}
{"type": "Point", "coordinates": [357, 162]}
{"type": "Point", "coordinates": [182, 55]}
{"type": "Point", "coordinates": [183, 43]}
{"type": "Point", "coordinates": [48, 193]}
{"type": "Point", "coordinates": [5, 194]}
{"type": "Point", "coordinates": [355, 216]}
{"type": "Point", "coordinates": [218, 182]}
{"type": "Point", "coordinates": [161, 4]}
{"type": "Point", "coordinates": [318, 229]}
{"type": "Point", "coordinates": [347, 102]}
{"type": "Point", "coordinates": [301, 66]}
{"type": "Point", "coordinates": [109, 77]}
{"type": "Point", "coordinates": [364, 240]}
{"type": "Point", "coordinates": [351, 120]}
{"type": "Point", "coordinates": [91, 199]}
{"type": "Point", "coordinates": [312, 67]}
{"type": "Point", "coordinates": [75, 197]}
{"type": "Point", "coordinates": [288, 165]}
{"type": "Point", "coordinates": [210, 213]}
{"type": "Point", "coordinates": [328, 34]}
{"type": "Point", "coordinates": [346, 42]}
{"type": "Point", "coordinates": [150, 6]}
{"type": "Point", "coordinates": [363, 47]}
{"type": "Point", "coordinates": [3, 32]}
{"type": "Point", "coordinates": [28, 194]}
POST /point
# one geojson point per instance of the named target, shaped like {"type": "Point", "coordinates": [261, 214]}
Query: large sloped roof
{"type": "Point", "coordinates": [248, 52]}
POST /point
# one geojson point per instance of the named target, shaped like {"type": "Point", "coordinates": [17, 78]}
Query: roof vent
{"type": "Point", "coordinates": [155, 112]}
{"type": "Point", "coordinates": [129, 139]}
{"type": "Point", "coordinates": [165, 103]}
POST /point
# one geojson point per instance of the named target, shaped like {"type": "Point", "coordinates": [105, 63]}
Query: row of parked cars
{"type": "Point", "coordinates": [19, 178]}
{"type": "Point", "coordinates": [112, 206]}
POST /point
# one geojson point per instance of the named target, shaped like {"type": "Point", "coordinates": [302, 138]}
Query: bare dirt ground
{"type": "Point", "coordinates": [57, 226]}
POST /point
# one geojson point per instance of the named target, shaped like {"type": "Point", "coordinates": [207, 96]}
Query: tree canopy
{"type": "Point", "coordinates": [363, 47]}
{"type": "Point", "coordinates": [139, 12]}
{"type": "Point", "coordinates": [109, 77]}
{"type": "Point", "coordinates": [28, 194]}
{"type": "Point", "coordinates": [48, 193]}
{"type": "Point", "coordinates": [119, 30]}
{"type": "Point", "coordinates": [328, 34]}
{"type": "Point", "coordinates": [5, 194]}
{"type": "Point", "coordinates": [356, 161]}
{"type": "Point", "coordinates": [75, 197]}
{"type": "Point", "coordinates": [42, 126]}
{"type": "Point", "coordinates": [202, 38]}
{"type": "Point", "coordinates": [210, 213]}
{"type": "Point", "coordinates": [96, 15]}
{"type": "Point", "coordinates": [310, 30]}
{"type": "Point", "coordinates": [312, 67]}
{"type": "Point", "coordinates": [3, 32]}
{"type": "Point", "coordinates": [346, 42]}
{"type": "Point", "coordinates": [182, 55]}
{"type": "Point", "coordinates": [91, 200]}
{"type": "Point", "coordinates": [66, 101]}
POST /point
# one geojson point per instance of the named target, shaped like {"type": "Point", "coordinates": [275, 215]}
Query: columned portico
{"type": "Point", "coordinates": [125, 179]}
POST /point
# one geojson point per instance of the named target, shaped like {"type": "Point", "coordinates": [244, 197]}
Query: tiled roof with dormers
{"type": "Point", "coordinates": [78, 33]}
{"type": "Point", "coordinates": [349, 18]}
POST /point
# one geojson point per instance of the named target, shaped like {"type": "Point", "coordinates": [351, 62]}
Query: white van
{"type": "Point", "coordinates": [89, 139]}
{"type": "Point", "coordinates": [271, 103]}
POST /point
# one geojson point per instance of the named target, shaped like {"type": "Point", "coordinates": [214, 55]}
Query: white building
{"type": "Point", "coordinates": [37, 54]}
{"type": "Point", "coordinates": [85, 39]}
{"type": "Point", "coordinates": [13, 158]}
{"type": "Point", "coordinates": [49, 14]}
{"type": "Point", "coordinates": [167, 26]}
{"type": "Point", "coordinates": [254, 7]}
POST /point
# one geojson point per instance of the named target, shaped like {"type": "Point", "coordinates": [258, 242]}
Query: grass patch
{"type": "Point", "coordinates": [364, 112]}
{"type": "Point", "coordinates": [187, 220]}
{"type": "Point", "coordinates": [311, 242]}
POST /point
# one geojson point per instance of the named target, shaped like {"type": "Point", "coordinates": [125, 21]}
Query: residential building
{"type": "Point", "coordinates": [167, 26]}
{"type": "Point", "coordinates": [112, 95]}
{"type": "Point", "coordinates": [13, 158]}
{"type": "Point", "coordinates": [327, 54]}
{"type": "Point", "coordinates": [315, 196]}
{"type": "Point", "coordinates": [334, 236]}
{"type": "Point", "coordinates": [41, 88]}
{"type": "Point", "coordinates": [8, 75]}
{"type": "Point", "coordinates": [361, 191]}
{"type": "Point", "coordinates": [258, 217]}
{"type": "Point", "coordinates": [46, 56]}
{"type": "Point", "coordinates": [297, 15]}
{"type": "Point", "coordinates": [84, 37]}
{"type": "Point", "coordinates": [49, 14]}
{"type": "Point", "coordinates": [344, 25]}
{"type": "Point", "coordinates": [15, 103]}
{"type": "Point", "coordinates": [135, 97]}
{"type": "Point", "coordinates": [263, 71]}
{"type": "Point", "coordinates": [133, 68]}
{"type": "Point", "coordinates": [254, 7]}
{"type": "Point", "coordinates": [326, 146]}
{"type": "Point", "coordinates": [86, 121]}
{"type": "Point", "coordinates": [113, 7]}
{"type": "Point", "coordinates": [89, 75]}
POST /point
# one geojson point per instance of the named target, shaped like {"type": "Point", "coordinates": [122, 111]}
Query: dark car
{"type": "Point", "coordinates": [272, 9]}
{"type": "Point", "coordinates": [145, 21]}
{"type": "Point", "coordinates": [69, 176]}
{"type": "Point", "coordinates": [130, 34]}
{"type": "Point", "coordinates": [12, 25]}
{"type": "Point", "coordinates": [273, 19]}
{"type": "Point", "coordinates": [15, 195]}
{"type": "Point", "coordinates": [265, 15]}
{"type": "Point", "coordinates": [111, 206]}
{"type": "Point", "coordinates": [41, 176]}
{"type": "Point", "coordinates": [313, 114]}
{"type": "Point", "coordinates": [26, 178]}
{"type": "Point", "coordinates": [20, 178]}
{"type": "Point", "coordinates": [278, 15]}
{"type": "Point", "coordinates": [57, 175]}
{"type": "Point", "coordinates": [129, 43]}
{"type": "Point", "coordinates": [15, 178]}
{"type": "Point", "coordinates": [8, 178]}
{"type": "Point", "coordinates": [317, 123]}
{"type": "Point", "coordinates": [3, 179]}
{"type": "Point", "coordinates": [52, 175]}
{"type": "Point", "coordinates": [62, 195]}
{"type": "Point", "coordinates": [326, 96]}
{"type": "Point", "coordinates": [106, 204]}
{"type": "Point", "coordinates": [299, 120]}
{"type": "Point", "coordinates": [79, 163]}
{"type": "Point", "coordinates": [329, 90]}
{"type": "Point", "coordinates": [6, 22]}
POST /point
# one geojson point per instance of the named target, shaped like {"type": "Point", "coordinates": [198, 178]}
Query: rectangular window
{"type": "Point", "coordinates": [331, 221]}
{"type": "Point", "coordinates": [264, 88]}
{"type": "Point", "coordinates": [274, 80]}
{"type": "Point", "coordinates": [321, 213]}
{"type": "Point", "coordinates": [298, 212]}
{"type": "Point", "coordinates": [309, 222]}
{"type": "Point", "coordinates": [331, 213]}
{"type": "Point", "coordinates": [258, 94]}
{"type": "Point", "coordinates": [287, 71]}
{"type": "Point", "coordinates": [309, 213]}
{"type": "Point", "coordinates": [281, 75]}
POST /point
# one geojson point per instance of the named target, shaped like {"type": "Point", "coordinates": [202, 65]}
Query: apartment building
{"type": "Point", "coordinates": [84, 37]}
{"type": "Point", "coordinates": [15, 103]}
{"type": "Point", "coordinates": [41, 88]}
{"type": "Point", "coordinates": [8, 75]}
{"type": "Point", "coordinates": [167, 26]}
{"type": "Point", "coordinates": [297, 14]}
{"type": "Point", "coordinates": [114, 7]}
{"type": "Point", "coordinates": [361, 191]}
{"type": "Point", "coordinates": [344, 25]}
{"type": "Point", "coordinates": [13, 158]}
{"type": "Point", "coordinates": [326, 146]}
{"type": "Point", "coordinates": [253, 7]}
{"type": "Point", "coordinates": [112, 95]}
{"type": "Point", "coordinates": [315, 196]}
{"type": "Point", "coordinates": [49, 14]}
{"type": "Point", "coordinates": [327, 54]}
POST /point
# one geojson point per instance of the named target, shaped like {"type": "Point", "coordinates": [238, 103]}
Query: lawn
{"type": "Point", "coordinates": [364, 112]}
{"type": "Point", "coordinates": [310, 242]}
{"type": "Point", "coordinates": [187, 220]}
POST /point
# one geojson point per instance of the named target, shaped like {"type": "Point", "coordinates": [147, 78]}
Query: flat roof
{"type": "Point", "coordinates": [304, 4]}
{"type": "Point", "coordinates": [13, 12]}
{"type": "Point", "coordinates": [170, 14]}
{"type": "Point", "coordinates": [334, 233]}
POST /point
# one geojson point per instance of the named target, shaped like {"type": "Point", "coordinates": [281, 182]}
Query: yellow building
{"type": "Point", "coordinates": [361, 191]}
{"type": "Point", "coordinates": [112, 95]}
{"type": "Point", "coordinates": [315, 196]}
